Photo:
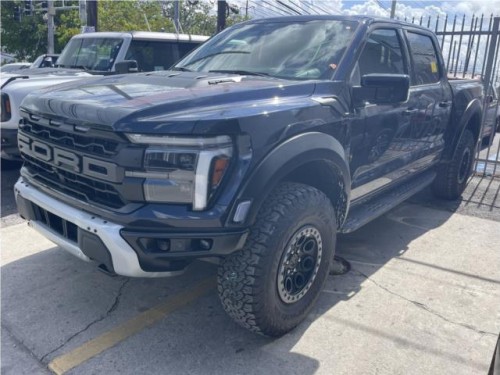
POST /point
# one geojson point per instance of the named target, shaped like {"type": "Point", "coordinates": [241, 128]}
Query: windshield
{"type": "Point", "coordinates": [96, 54]}
{"type": "Point", "coordinates": [298, 50]}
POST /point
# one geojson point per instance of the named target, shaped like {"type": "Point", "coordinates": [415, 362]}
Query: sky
{"type": "Point", "coordinates": [455, 50]}
{"type": "Point", "coordinates": [404, 8]}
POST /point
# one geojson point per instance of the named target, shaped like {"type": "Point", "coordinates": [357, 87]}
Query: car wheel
{"type": "Point", "coordinates": [452, 177]}
{"type": "Point", "coordinates": [271, 284]}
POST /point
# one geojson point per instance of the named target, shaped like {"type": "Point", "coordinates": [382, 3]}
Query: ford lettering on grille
{"type": "Point", "coordinates": [70, 161]}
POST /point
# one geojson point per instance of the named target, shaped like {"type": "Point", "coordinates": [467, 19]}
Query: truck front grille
{"type": "Point", "coordinates": [74, 185]}
{"type": "Point", "coordinates": [82, 143]}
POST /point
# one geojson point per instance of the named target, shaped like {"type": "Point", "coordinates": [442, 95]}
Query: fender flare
{"type": "Point", "coordinates": [284, 159]}
{"type": "Point", "coordinates": [473, 108]}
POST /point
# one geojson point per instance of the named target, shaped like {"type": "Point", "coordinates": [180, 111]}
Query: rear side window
{"type": "Point", "coordinates": [151, 55]}
{"type": "Point", "coordinates": [425, 60]}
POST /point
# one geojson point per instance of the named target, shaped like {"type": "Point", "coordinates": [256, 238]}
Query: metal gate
{"type": "Point", "coordinates": [470, 48]}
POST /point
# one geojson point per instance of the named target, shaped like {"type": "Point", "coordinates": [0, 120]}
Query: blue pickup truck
{"type": "Point", "coordinates": [256, 149]}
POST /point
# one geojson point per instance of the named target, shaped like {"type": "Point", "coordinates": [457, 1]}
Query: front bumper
{"type": "Point", "coordinates": [113, 246]}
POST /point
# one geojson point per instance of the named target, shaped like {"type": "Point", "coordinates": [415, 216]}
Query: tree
{"type": "Point", "coordinates": [197, 17]}
{"type": "Point", "coordinates": [28, 38]}
{"type": "Point", "coordinates": [131, 16]}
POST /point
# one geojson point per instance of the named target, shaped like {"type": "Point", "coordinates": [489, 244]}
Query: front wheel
{"type": "Point", "coordinates": [452, 177]}
{"type": "Point", "coordinates": [271, 284]}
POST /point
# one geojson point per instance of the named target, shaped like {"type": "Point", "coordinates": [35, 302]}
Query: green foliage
{"type": "Point", "coordinates": [67, 25]}
{"type": "Point", "coordinates": [28, 39]}
{"type": "Point", "coordinates": [130, 16]}
{"type": "Point", "coordinates": [196, 17]}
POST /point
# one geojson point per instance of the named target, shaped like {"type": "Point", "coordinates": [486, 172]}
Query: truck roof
{"type": "Point", "coordinates": [148, 35]}
{"type": "Point", "coordinates": [361, 18]}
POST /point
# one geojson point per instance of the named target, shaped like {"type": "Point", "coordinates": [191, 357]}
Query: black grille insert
{"type": "Point", "coordinates": [59, 225]}
{"type": "Point", "coordinates": [87, 144]}
{"type": "Point", "coordinates": [76, 186]}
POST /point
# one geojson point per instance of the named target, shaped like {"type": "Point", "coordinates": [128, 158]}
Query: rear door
{"type": "Point", "coordinates": [431, 105]}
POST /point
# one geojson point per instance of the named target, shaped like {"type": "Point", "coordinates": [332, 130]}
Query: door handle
{"type": "Point", "coordinates": [444, 104]}
{"type": "Point", "coordinates": [409, 112]}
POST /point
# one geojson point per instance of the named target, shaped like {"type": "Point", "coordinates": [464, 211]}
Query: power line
{"type": "Point", "coordinates": [381, 5]}
{"type": "Point", "coordinates": [310, 7]}
{"type": "Point", "coordinates": [288, 7]}
{"type": "Point", "coordinates": [323, 9]}
{"type": "Point", "coordinates": [300, 7]}
{"type": "Point", "coordinates": [278, 8]}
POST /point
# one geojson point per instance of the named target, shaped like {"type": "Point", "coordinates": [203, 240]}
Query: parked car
{"type": "Point", "coordinates": [47, 60]}
{"type": "Point", "coordinates": [84, 57]}
{"type": "Point", "coordinates": [256, 149]}
{"type": "Point", "coordinates": [14, 67]}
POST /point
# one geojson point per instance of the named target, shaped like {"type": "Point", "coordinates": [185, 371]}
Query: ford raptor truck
{"type": "Point", "coordinates": [85, 56]}
{"type": "Point", "coordinates": [255, 150]}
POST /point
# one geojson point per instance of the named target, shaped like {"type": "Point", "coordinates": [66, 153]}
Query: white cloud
{"type": "Point", "coordinates": [486, 7]}
{"type": "Point", "coordinates": [405, 9]}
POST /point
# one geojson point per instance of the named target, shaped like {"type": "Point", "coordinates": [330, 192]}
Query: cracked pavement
{"type": "Point", "coordinates": [99, 319]}
{"type": "Point", "coordinates": [421, 298]}
{"type": "Point", "coordinates": [423, 306]}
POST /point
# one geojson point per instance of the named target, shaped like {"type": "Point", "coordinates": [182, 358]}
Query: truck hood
{"type": "Point", "coordinates": [49, 77]}
{"type": "Point", "coordinates": [35, 72]}
{"type": "Point", "coordinates": [168, 101]}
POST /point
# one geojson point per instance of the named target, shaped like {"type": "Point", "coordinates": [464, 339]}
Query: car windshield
{"type": "Point", "coordinates": [289, 50]}
{"type": "Point", "coordinates": [96, 54]}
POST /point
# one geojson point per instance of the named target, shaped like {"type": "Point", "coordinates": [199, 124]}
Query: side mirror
{"type": "Point", "coordinates": [126, 66]}
{"type": "Point", "coordinates": [382, 89]}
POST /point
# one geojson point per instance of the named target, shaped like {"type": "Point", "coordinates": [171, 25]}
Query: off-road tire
{"type": "Point", "coordinates": [452, 177]}
{"type": "Point", "coordinates": [248, 279]}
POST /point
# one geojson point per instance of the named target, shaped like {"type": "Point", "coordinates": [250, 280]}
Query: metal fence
{"type": "Point", "coordinates": [470, 48]}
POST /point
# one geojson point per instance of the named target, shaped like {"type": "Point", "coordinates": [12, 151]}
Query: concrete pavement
{"type": "Point", "coordinates": [421, 298]}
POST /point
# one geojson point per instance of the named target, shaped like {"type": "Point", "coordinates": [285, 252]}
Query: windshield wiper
{"type": "Point", "coordinates": [215, 54]}
{"type": "Point", "coordinates": [83, 67]}
{"type": "Point", "coordinates": [182, 69]}
{"type": "Point", "coordinates": [240, 72]}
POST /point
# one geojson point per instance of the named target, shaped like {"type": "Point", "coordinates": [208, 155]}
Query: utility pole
{"type": "Point", "coordinates": [221, 15]}
{"type": "Point", "coordinates": [393, 8]}
{"type": "Point", "coordinates": [92, 14]}
{"type": "Point", "coordinates": [176, 16]}
{"type": "Point", "coordinates": [51, 12]}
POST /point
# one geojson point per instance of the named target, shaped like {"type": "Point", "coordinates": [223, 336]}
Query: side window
{"type": "Point", "coordinates": [151, 55]}
{"type": "Point", "coordinates": [382, 53]}
{"type": "Point", "coordinates": [425, 61]}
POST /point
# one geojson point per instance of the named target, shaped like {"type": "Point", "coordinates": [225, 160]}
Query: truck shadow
{"type": "Point", "coordinates": [9, 176]}
{"type": "Point", "coordinates": [53, 303]}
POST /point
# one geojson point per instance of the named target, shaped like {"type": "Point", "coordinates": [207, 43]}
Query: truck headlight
{"type": "Point", "coordinates": [182, 169]}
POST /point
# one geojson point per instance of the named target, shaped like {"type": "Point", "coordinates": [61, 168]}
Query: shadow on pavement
{"type": "Point", "coordinates": [53, 302]}
{"type": "Point", "coordinates": [9, 176]}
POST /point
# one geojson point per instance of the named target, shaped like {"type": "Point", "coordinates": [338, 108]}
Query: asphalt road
{"type": "Point", "coordinates": [421, 298]}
